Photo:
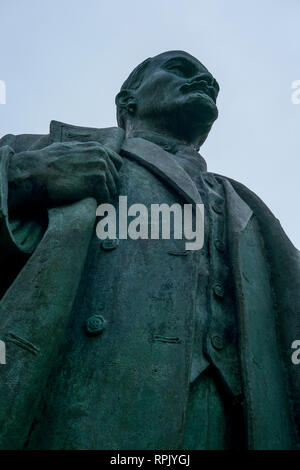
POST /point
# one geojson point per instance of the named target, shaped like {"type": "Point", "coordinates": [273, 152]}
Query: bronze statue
{"type": "Point", "coordinates": [137, 344]}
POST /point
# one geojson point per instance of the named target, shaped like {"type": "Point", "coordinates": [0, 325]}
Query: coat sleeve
{"type": "Point", "coordinates": [35, 310]}
{"type": "Point", "coordinates": [17, 235]}
{"type": "Point", "coordinates": [7, 244]}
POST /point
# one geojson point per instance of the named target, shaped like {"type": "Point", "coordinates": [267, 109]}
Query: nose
{"type": "Point", "coordinates": [209, 80]}
{"type": "Point", "coordinates": [206, 77]}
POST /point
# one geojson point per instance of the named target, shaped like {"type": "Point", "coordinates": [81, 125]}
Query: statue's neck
{"type": "Point", "coordinates": [138, 127]}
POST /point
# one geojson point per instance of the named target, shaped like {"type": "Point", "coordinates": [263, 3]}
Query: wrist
{"type": "Point", "coordinates": [26, 186]}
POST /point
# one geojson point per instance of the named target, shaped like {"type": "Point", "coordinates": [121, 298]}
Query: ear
{"type": "Point", "coordinates": [126, 99]}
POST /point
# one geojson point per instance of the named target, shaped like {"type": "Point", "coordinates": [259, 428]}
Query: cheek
{"type": "Point", "coordinates": [151, 100]}
{"type": "Point", "coordinates": [159, 89]}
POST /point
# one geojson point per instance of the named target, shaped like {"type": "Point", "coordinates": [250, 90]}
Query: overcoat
{"type": "Point", "coordinates": [136, 372]}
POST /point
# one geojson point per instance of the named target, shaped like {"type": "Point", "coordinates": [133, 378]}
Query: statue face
{"type": "Point", "coordinates": [179, 90]}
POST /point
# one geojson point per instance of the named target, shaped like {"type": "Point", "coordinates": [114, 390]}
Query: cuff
{"type": "Point", "coordinates": [25, 234]}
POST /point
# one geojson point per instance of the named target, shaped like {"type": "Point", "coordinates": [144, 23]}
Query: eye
{"type": "Point", "coordinates": [176, 68]}
{"type": "Point", "coordinates": [181, 69]}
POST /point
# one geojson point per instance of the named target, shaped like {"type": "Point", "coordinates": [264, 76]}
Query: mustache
{"type": "Point", "coordinates": [207, 86]}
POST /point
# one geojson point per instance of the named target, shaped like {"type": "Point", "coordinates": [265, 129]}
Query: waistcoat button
{"type": "Point", "coordinates": [218, 289]}
{"type": "Point", "coordinates": [218, 207]}
{"type": "Point", "coordinates": [217, 342]}
{"type": "Point", "coordinates": [209, 180]}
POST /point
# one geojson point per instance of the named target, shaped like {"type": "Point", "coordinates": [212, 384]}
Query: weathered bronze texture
{"type": "Point", "coordinates": [137, 344]}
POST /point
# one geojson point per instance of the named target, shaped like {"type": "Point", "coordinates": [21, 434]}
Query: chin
{"type": "Point", "coordinates": [200, 109]}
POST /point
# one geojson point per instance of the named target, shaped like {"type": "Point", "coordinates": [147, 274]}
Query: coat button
{"type": "Point", "coordinates": [220, 245]}
{"type": "Point", "coordinates": [217, 342]}
{"type": "Point", "coordinates": [109, 244]}
{"type": "Point", "coordinates": [95, 325]}
{"type": "Point", "coordinates": [218, 289]}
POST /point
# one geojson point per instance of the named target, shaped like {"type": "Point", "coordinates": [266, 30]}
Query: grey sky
{"type": "Point", "coordinates": [66, 59]}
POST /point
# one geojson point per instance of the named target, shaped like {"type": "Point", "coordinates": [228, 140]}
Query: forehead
{"type": "Point", "coordinates": [180, 56]}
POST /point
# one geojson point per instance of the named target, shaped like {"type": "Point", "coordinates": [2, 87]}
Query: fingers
{"type": "Point", "coordinates": [110, 178]}
{"type": "Point", "coordinates": [101, 190]}
{"type": "Point", "coordinates": [117, 160]}
{"type": "Point", "coordinates": [89, 167]}
{"type": "Point", "coordinates": [106, 186]}
{"type": "Point", "coordinates": [114, 163]}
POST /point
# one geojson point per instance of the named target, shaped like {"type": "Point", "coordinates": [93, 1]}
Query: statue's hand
{"type": "Point", "coordinates": [62, 173]}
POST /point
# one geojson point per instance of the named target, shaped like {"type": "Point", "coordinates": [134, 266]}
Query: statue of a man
{"type": "Point", "coordinates": [141, 344]}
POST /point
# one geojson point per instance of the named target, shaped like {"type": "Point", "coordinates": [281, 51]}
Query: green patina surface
{"type": "Point", "coordinates": [138, 344]}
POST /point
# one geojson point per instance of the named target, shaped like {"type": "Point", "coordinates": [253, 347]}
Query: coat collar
{"type": "Point", "coordinates": [112, 137]}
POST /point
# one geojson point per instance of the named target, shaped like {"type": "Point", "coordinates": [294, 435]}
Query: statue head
{"type": "Point", "coordinates": [171, 93]}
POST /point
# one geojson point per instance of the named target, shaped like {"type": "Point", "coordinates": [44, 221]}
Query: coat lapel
{"type": "Point", "coordinates": [268, 425]}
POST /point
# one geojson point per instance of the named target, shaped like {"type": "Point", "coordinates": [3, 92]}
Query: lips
{"type": "Point", "coordinates": [202, 86]}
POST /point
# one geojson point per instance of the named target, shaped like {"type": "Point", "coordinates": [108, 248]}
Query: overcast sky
{"type": "Point", "coordinates": [66, 60]}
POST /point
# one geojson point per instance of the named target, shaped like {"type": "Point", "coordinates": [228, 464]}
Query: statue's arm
{"type": "Point", "coordinates": [19, 233]}
{"type": "Point", "coordinates": [34, 179]}
{"type": "Point", "coordinates": [7, 243]}
{"type": "Point", "coordinates": [37, 312]}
